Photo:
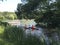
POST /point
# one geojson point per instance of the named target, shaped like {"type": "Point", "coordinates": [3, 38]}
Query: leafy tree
{"type": "Point", "coordinates": [25, 10]}
{"type": "Point", "coordinates": [46, 11]}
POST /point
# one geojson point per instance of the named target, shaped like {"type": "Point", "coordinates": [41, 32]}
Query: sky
{"type": "Point", "coordinates": [9, 5]}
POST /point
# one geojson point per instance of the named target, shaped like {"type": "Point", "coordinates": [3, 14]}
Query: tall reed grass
{"type": "Point", "coordinates": [17, 36]}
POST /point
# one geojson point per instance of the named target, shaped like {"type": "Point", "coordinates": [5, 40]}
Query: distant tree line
{"type": "Point", "coordinates": [7, 16]}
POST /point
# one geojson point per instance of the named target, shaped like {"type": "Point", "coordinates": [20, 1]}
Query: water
{"type": "Point", "coordinates": [37, 33]}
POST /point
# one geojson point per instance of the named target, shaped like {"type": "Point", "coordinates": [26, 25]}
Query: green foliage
{"type": "Point", "coordinates": [2, 26]}
{"type": "Point", "coordinates": [13, 34]}
{"type": "Point", "coordinates": [2, 29]}
{"type": "Point", "coordinates": [25, 10]}
{"type": "Point", "coordinates": [7, 16]}
{"type": "Point", "coordinates": [17, 37]}
{"type": "Point", "coordinates": [1, 18]}
{"type": "Point", "coordinates": [46, 11]}
{"type": "Point", "coordinates": [3, 23]}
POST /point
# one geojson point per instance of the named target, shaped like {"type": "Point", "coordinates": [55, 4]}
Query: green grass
{"type": "Point", "coordinates": [1, 29]}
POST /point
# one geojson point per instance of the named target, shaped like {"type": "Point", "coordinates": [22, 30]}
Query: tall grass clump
{"type": "Point", "coordinates": [13, 34]}
{"type": "Point", "coordinates": [16, 36]}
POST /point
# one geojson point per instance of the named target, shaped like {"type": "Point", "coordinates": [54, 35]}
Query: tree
{"type": "Point", "coordinates": [26, 10]}
{"type": "Point", "coordinates": [50, 14]}
{"type": "Point", "coordinates": [46, 11]}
